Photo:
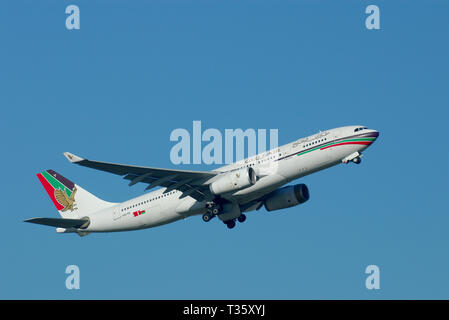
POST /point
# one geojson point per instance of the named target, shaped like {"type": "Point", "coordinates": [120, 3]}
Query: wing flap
{"type": "Point", "coordinates": [182, 180]}
{"type": "Point", "coordinates": [134, 171]}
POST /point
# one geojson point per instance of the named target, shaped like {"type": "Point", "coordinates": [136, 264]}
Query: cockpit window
{"type": "Point", "coordinates": [359, 128]}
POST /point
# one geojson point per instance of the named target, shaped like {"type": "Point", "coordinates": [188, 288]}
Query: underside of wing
{"type": "Point", "coordinates": [191, 183]}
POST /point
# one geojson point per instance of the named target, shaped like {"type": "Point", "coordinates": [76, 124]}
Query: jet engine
{"type": "Point", "coordinates": [233, 181]}
{"type": "Point", "coordinates": [287, 197]}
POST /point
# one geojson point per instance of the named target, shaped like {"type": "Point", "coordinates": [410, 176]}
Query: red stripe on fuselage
{"type": "Point", "coordinates": [367, 143]}
{"type": "Point", "coordinates": [50, 190]}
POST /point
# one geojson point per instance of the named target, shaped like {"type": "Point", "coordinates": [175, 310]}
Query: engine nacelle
{"type": "Point", "coordinates": [234, 181]}
{"type": "Point", "coordinates": [287, 197]}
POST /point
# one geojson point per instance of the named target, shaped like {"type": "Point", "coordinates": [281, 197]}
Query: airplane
{"type": "Point", "coordinates": [227, 192]}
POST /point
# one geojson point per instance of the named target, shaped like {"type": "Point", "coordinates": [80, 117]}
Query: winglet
{"type": "Point", "coordinates": [72, 158]}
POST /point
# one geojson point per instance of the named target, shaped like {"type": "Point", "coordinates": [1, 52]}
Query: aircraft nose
{"type": "Point", "coordinates": [375, 134]}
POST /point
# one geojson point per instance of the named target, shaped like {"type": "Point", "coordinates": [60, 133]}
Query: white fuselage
{"type": "Point", "coordinates": [274, 168]}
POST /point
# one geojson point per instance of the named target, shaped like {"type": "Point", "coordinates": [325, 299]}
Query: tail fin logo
{"type": "Point", "coordinates": [61, 190]}
{"type": "Point", "coordinates": [64, 200]}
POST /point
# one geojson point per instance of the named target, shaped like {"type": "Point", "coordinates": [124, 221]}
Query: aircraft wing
{"type": "Point", "coordinates": [186, 181]}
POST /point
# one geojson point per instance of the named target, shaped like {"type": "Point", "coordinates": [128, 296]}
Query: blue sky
{"type": "Point", "coordinates": [115, 89]}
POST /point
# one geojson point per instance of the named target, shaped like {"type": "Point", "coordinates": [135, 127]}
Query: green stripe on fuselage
{"type": "Point", "coordinates": [336, 142]}
{"type": "Point", "coordinates": [359, 139]}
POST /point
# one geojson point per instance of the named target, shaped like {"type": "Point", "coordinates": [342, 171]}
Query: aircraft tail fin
{"type": "Point", "coordinates": [71, 200]}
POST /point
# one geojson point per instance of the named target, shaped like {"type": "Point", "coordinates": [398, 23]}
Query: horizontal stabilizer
{"type": "Point", "coordinates": [61, 223]}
